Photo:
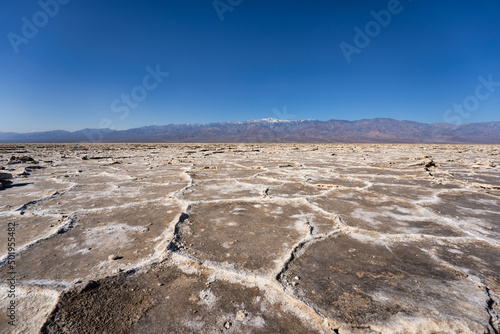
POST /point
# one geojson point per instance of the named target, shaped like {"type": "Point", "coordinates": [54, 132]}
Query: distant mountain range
{"type": "Point", "coordinates": [378, 130]}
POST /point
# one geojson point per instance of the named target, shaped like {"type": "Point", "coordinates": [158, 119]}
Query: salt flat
{"type": "Point", "coordinates": [252, 238]}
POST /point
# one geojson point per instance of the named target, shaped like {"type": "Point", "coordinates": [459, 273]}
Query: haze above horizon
{"type": "Point", "coordinates": [72, 65]}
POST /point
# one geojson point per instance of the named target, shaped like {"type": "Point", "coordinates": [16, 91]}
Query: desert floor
{"type": "Point", "coordinates": [251, 238]}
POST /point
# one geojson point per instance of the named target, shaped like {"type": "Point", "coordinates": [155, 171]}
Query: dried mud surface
{"type": "Point", "coordinates": [252, 238]}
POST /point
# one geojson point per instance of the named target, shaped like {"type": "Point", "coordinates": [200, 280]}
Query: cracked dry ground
{"type": "Point", "coordinates": [253, 238]}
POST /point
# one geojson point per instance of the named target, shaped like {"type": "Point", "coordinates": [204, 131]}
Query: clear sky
{"type": "Point", "coordinates": [74, 64]}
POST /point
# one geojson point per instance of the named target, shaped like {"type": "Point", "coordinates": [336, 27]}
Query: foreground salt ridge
{"type": "Point", "coordinates": [294, 168]}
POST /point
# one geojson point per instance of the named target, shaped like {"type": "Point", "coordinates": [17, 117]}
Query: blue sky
{"type": "Point", "coordinates": [279, 59]}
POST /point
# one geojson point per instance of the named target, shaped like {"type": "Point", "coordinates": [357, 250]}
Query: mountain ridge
{"type": "Point", "coordinates": [376, 130]}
